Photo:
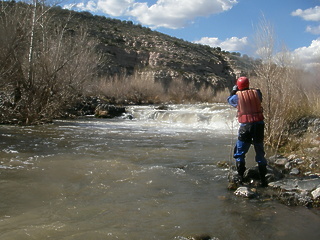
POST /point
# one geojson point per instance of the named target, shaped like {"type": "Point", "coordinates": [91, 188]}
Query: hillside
{"type": "Point", "coordinates": [127, 47]}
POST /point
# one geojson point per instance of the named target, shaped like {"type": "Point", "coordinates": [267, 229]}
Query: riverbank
{"type": "Point", "coordinates": [292, 181]}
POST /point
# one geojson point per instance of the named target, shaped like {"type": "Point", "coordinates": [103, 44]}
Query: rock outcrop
{"type": "Point", "coordinates": [126, 48]}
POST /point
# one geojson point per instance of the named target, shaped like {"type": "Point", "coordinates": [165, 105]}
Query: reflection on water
{"type": "Point", "coordinates": [153, 177]}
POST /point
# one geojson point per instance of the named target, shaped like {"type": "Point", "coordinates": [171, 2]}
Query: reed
{"type": "Point", "coordinates": [141, 88]}
{"type": "Point", "coordinates": [138, 88]}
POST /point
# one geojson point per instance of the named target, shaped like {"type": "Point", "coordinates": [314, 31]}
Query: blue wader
{"type": "Point", "coordinates": [250, 133]}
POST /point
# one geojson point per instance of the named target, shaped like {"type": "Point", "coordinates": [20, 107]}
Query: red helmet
{"type": "Point", "coordinates": [243, 83]}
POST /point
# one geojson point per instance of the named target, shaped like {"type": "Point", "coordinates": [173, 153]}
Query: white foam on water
{"type": "Point", "coordinates": [218, 117]}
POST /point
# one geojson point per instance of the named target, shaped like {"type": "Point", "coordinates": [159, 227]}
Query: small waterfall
{"type": "Point", "coordinates": [201, 116]}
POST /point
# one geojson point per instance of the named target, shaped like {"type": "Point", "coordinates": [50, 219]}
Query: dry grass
{"type": "Point", "coordinates": [221, 96]}
{"type": "Point", "coordinates": [141, 88]}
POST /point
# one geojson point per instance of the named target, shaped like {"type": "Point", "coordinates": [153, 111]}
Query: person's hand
{"type": "Point", "coordinates": [234, 90]}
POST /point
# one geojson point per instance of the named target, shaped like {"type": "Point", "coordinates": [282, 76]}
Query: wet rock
{"type": "Point", "coordinates": [292, 157]}
{"type": "Point", "coordinates": [234, 180]}
{"type": "Point", "coordinates": [245, 192]}
{"type": "Point", "coordinates": [163, 107]}
{"type": "Point", "coordinates": [304, 198]}
{"type": "Point", "coordinates": [308, 184]}
{"type": "Point", "coordinates": [316, 193]}
{"type": "Point", "coordinates": [297, 192]}
{"type": "Point", "coordinates": [288, 166]}
{"type": "Point", "coordinates": [84, 106]}
{"type": "Point", "coordinates": [298, 161]}
{"type": "Point", "coordinates": [313, 165]}
{"type": "Point", "coordinates": [273, 174]}
{"type": "Point", "coordinates": [199, 237]}
{"type": "Point", "coordinates": [252, 176]}
{"type": "Point", "coordinates": [296, 185]}
{"type": "Point", "coordinates": [281, 162]}
{"type": "Point", "coordinates": [251, 173]}
{"type": "Point", "coordinates": [287, 181]}
{"type": "Point", "coordinates": [295, 199]}
{"type": "Point", "coordinates": [223, 164]}
{"type": "Point", "coordinates": [109, 111]}
{"type": "Point", "coordinates": [294, 171]}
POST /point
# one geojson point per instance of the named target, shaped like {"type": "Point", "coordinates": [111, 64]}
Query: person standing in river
{"type": "Point", "coordinates": [251, 131]}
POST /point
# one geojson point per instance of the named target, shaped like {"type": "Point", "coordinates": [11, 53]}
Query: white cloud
{"type": "Point", "coordinates": [177, 13]}
{"type": "Point", "coordinates": [114, 7]}
{"type": "Point", "coordinates": [309, 56]}
{"type": "Point", "coordinates": [310, 14]}
{"type": "Point", "coordinates": [111, 7]}
{"type": "Point", "coordinates": [89, 6]}
{"type": "Point", "coordinates": [164, 13]}
{"type": "Point", "coordinates": [230, 44]}
{"type": "Point", "coordinates": [314, 30]}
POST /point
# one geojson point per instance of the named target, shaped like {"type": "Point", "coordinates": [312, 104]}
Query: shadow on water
{"type": "Point", "coordinates": [146, 178]}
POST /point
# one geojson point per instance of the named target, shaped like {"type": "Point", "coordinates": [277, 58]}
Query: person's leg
{"type": "Point", "coordinates": [242, 147]}
{"type": "Point", "coordinates": [240, 151]}
{"type": "Point", "coordinates": [258, 137]}
{"type": "Point", "coordinates": [259, 149]}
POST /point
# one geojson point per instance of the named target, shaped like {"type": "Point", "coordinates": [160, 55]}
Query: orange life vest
{"type": "Point", "coordinates": [249, 106]}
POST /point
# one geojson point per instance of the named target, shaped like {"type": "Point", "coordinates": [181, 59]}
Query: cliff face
{"type": "Point", "coordinates": [126, 48]}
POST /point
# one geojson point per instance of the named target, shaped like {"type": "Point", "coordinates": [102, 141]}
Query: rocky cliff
{"type": "Point", "coordinates": [127, 47]}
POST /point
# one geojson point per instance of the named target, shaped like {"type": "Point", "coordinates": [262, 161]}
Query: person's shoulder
{"type": "Point", "coordinates": [256, 89]}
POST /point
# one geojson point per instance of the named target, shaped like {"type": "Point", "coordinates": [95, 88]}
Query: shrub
{"type": "Point", "coordinates": [43, 68]}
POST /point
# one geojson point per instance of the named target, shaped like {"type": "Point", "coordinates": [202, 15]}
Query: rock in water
{"type": "Point", "coordinates": [109, 111]}
{"type": "Point", "coordinates": [245, 192]}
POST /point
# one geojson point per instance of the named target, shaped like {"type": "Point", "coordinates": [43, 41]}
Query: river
{"type": "Point", "coordinates": [152, 176]}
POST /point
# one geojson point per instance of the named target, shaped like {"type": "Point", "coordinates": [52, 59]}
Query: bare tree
{"type": "Point", "coordinates": [278, 79]}
{"type": "Point", "coordinates": [45, 65]}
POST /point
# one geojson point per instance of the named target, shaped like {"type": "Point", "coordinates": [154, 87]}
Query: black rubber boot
{"type": "Point", "coordinates": [240, 169]}
{"type": "Point", "coordinates": [262, 173]}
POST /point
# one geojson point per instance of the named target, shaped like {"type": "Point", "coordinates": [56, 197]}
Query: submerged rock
{"type": "Point", "coordinates": [198, 237]}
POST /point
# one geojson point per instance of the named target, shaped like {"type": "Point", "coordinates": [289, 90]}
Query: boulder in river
{"type": "Point", "coordinates": [109, 111]}
{"type": "Point", "coordinates": [245, 192]}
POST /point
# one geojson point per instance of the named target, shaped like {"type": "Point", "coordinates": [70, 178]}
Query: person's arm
{"type": "Point", "coordinates": [233, 98]}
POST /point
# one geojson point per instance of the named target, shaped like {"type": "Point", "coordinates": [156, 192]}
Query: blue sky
{"type": "Point", "coordinates": [229, 24]}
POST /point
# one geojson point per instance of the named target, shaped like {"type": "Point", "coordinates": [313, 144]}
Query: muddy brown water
{"type": "Point", "coordinates": [152, 177]}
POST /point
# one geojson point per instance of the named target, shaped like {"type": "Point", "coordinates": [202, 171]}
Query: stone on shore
{"type": "Point", "coordinates": [305, 192]}
{"type": "Point", "coordinates": [316, 194]}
